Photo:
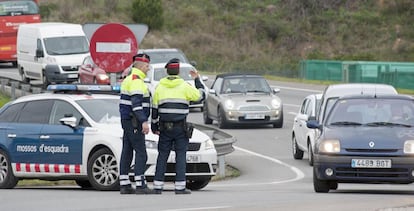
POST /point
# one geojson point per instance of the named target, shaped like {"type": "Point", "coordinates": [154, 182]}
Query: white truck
{"type": "Point", "coordinates": [51, 51]}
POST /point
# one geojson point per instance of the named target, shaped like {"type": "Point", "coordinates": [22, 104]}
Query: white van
{"type": "Point", "coordinates": [50, 52]}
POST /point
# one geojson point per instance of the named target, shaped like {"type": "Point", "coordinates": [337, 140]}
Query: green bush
{"type": "Point", "coordinates": [148, 12]}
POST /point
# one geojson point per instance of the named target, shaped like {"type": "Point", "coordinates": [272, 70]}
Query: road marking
{"type": "Point", "coordinates": [298, 89]}
{"type": "Point", "coordinates": [200, 208]}
{"type": "Point", "coordinates": [299, 174]}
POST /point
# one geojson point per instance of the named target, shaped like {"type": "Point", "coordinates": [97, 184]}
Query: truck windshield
{"type": "Point", "coordinates": [66, 45]}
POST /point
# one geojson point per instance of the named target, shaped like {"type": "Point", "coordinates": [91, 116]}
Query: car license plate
{"type": "Point", "coordinates": [193, 159]}
{"type": "Point", "coordinates": [72, 75]}
{"type": "Point", "coordinates": [370, 163]}
{"type": "Point", "coordinates": [254, 116]}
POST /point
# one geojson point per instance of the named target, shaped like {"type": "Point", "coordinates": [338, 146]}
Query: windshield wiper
{"type": "Point", "coordinates": [375, 124]}
{"type": "Point", "coordinates": [345, 123]}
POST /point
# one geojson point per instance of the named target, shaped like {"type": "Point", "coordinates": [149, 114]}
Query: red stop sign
{"type": "Point", "coordinates": [112, 47]}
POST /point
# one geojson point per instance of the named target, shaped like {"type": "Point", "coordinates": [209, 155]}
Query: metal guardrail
{"type": "Point", "coordinates": [223, 142]}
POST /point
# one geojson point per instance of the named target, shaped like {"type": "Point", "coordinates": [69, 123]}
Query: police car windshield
{"type": "Point", "coordinates": [160, 73]}
{"type": "Point", "coordinates": [102, 110]}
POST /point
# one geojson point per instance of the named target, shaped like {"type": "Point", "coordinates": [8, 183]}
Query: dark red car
{"type": "Point", "coordinates": [90, 73]}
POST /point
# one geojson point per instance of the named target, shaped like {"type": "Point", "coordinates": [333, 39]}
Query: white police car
{"type": "Point", "coordinates": [78, 136]}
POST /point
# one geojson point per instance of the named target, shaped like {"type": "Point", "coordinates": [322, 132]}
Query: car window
{"type": "Point", "coordinates": [217, 85]}
{"type": "Point", "coordinates": [160, 73]}
{"type": "Point", "coordinates": [36, 112]}
{"type": "Point", "coordinates": [165, 56]}
{"type": "Point", "coordinates": [305, 106]}
{"type": "Point", "coordinates": [10, 113]}
{"type": "Point", "coordinates": [107, 111]}
{"type": "Point", "coordinates": [64, 109]}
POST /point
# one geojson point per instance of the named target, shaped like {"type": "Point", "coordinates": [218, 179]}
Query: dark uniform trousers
{"type": "Point", "coordinates": [176, 139]}
{"type": "Point", "coordinates": [133, 141]}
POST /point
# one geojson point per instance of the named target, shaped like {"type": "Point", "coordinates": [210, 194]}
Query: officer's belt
{"type": "Point", "coordinates": [165, 124]}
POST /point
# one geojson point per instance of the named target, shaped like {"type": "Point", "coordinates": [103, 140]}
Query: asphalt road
{"type": "Point", "coordinates": [270, 179]}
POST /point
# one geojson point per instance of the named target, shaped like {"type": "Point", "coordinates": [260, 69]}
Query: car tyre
{"type": "Point", "coordinates": [45, 80]}
{"type": "Point", "coordinates": [310, 154]}
{"type": "Point", "coordinates": [297, 153]}
{"type": "Point", "coordinates": [103, 171]}
{"type": "Point", "coordinates": [7, 178]}
{"type": "Point", "coordinates": [206, 119]}
{"type": "Point", "coordinates": [84, 184]}
{"type": "Point", "coordinates": [221, 119]}
{"type": "Point", "coordinates": [320, 186]}
{"type": "Point", "coordinates": [197, 184]}
{"type": "Point", "coordinates": [279, 123]}
{"type": "Point", "coordinates": [23, 76]}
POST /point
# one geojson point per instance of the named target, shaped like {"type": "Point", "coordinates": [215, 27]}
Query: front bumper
{"type": "Point", "coordinates": [401, 171]}
{"type": "Point", "coordinates": [256, 117]}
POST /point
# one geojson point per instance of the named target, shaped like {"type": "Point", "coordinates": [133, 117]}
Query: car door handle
{"type": "Point", "coordinates": [44, 137]}
{"type": "Point", "coordinates": [11, 135]}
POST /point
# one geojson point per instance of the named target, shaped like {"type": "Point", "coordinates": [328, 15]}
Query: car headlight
{"type": "Point", "coordinates": [409, 147]}
{"type": "Point", "coordinates": [275, 103]}
{"type": "Point", "coordinates": [149, 144]}
{"type": "Point", "coordinates": [330, 146]}
{"type": "Point", "coordinates": [209, 144]}
{"type": "Point", "coordinates": [102, 77]}
{"type": "Point", "coordinates": [229, 104]}
{"type": "Point", "coordinates": [50, 60]}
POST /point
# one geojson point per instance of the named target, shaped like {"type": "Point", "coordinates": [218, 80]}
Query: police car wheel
{"type": "Point", "coordinates": [197, 184]}
{"type": "Point", "coordinates": [103, 171]}
{"type": "Point", "coordinates": [7, 178]}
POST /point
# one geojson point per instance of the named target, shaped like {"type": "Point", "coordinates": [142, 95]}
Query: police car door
{"type": "Point", "coordinates": [23, 135]}
{"type": "Point", "coordinates": [61, 145]}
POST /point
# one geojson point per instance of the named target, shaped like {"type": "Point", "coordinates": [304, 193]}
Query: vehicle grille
{"type": "Point", "coordinates": [70, 68]}
{"type": "Point", "coordinates": [372, 150]}
{"type": "Point", "coordinates": [372, 173]}
{"type": "Point", "coordinates": [193, 146]}
{"type": "Point", "coordinates": [254, 108]}
{"type": "Point", "coordinates": [191, 168]}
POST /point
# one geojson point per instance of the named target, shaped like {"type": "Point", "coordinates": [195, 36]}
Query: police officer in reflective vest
{"type": "Point", "coordinates": [134, 107]}
{"type": "Point", "coordinates": [170, 107]}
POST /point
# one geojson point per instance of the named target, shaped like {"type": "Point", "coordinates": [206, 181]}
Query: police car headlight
{"type": "Point", "coordinates": [409, 147]}
{"type": "Point", "coordinates": [209, 144]}
{"type": "Point", "coordinates": [330, 146]}
{"type": "Point", "coordinates": [149, 144]}
{"type": "Point", "coordinates": [229, 104]}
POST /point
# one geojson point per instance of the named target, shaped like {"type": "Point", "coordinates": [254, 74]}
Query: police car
{"type": "Point", "coordinates": [74, 133]}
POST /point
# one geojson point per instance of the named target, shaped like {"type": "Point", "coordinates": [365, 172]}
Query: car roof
{"type": "Point", "coordinates": [235, 75]}
{"type": "Point", "coordinates": [162, 65]}
{"type": "Point", "coordinates": [159, 50]}
{"type": "Point", "coordinates": [337, 90]}
{"type": "Point", "coordinates": [385, 96]}
{"type": "Point", "coordinates": [70, 97]}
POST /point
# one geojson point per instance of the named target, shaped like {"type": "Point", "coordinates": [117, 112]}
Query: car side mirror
{"type": "Point", "coordinates": [212, 91]}
{"type": "Point", "coordinates": [204, 78]}
{"type": "Point", "coordinates": [39, 53]}
{"type": "Point", "coordinates": [313, 124]}
{"type": "Point", "coordinates": [194, 63]}
{"type": "Point", "coordinates": [69, 121]}
{"type": "Point", "coordinates": [276, 90]}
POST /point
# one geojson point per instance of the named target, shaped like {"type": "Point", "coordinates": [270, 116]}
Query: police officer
{"type": "Point", "coordinates": [170, 108]}
{"type": "Point", "coordinates": [134, 107]}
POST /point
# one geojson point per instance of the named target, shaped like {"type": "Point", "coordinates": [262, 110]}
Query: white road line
{"type": "Point", "coordinates": [298, 89]}
{"type": "Point", "coordinates": [201, 208]}
{"type": "Point", "coordinates": [299, 174]}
